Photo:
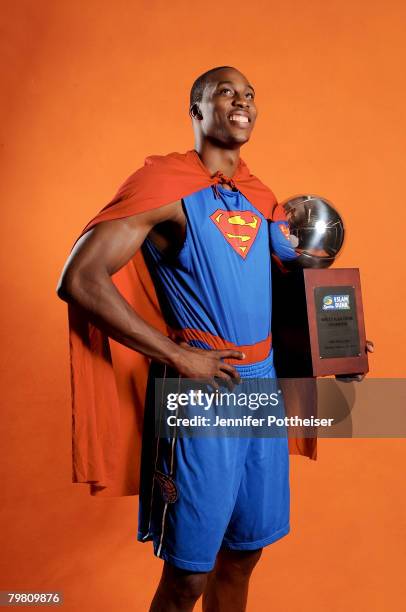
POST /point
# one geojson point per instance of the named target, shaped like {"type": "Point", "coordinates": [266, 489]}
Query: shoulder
{"type": "Point", "coordinates": [154, 172]}
{"type": "Point", "coordinates": [168, 159]}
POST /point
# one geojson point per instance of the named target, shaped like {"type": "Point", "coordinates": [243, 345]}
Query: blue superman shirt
{"type": "Point", "coordinates": [219, 284]}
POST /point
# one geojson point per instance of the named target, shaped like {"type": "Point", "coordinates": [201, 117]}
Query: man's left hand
{"type": "Point", "coordinates": [369, 348]}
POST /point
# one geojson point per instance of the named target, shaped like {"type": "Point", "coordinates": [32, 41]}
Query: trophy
{"type": "Point", "coordinates": [317, 320]}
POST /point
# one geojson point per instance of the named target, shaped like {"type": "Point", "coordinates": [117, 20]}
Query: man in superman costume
{"type": "Point", "coordinates": [174, 274]}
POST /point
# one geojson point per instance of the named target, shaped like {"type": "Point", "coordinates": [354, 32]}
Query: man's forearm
{"type": "Point", "coordinates": [111, 313]}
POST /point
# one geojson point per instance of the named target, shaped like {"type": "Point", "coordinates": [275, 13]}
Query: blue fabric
{"type": "Point", "coordinates": [231, 492]}
{"type": "Point", "coordinates": [281, 245]}
{"type": "Point", "coordinates": [210, 286]}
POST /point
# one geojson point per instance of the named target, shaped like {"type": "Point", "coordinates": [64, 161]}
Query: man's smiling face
{"type": "Point", "coordinates": [228, 110]}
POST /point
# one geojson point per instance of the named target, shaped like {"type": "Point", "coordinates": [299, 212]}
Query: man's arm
{"type": "Point", "coordinates": [86, 281]}
{"type": "Point", "coordinates": [281, 245]}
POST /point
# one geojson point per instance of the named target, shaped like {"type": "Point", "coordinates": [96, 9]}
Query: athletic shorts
{"type": "Point", "coordinates": [202, 494]}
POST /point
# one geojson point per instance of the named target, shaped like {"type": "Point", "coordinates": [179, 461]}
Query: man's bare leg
{"type": "Point", "coordinates": [227, 585]}
{"type": "Point", "coordinates": [178, 590]}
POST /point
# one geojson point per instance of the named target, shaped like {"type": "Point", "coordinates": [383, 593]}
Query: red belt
{"type": "Point", "coordinates": [253, 352]}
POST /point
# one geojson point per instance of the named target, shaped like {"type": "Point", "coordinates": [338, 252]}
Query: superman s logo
{"type": "Point", "coordinates": [239, 228]}
{"type": "Point", "coordinates": [285, 230]}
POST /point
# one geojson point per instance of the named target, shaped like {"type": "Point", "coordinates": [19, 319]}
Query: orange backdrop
{"type": "Point", "coordinates": [91, 88]}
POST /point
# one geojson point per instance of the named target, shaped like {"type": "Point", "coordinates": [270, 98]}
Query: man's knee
{"type": "Point", "coordinates": [237, 562]}
{"type": "Point", "coordinates": [182, 584]}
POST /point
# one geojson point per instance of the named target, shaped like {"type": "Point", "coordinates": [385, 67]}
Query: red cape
{"type": "Point", "coordinates": [108, 380]}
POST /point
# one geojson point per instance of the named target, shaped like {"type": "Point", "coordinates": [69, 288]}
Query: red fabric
{"type": "Point", "coordinates": [108, 380]}
{"type": "Point", "coordinates": [252, 352]}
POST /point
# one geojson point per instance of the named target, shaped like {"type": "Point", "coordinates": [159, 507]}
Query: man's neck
{"type": "Point", "coordinates": [216, 158]}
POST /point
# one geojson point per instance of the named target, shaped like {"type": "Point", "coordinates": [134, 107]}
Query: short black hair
{"type": "Point", "coordinates": [196, 93]}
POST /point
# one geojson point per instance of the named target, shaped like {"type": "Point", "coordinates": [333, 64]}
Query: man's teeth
{"type": "Point", "coordinates": [240, 118]}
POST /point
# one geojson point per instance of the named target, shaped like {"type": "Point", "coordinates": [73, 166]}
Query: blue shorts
{"type": "Point", "coordinates": [211, 493]}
